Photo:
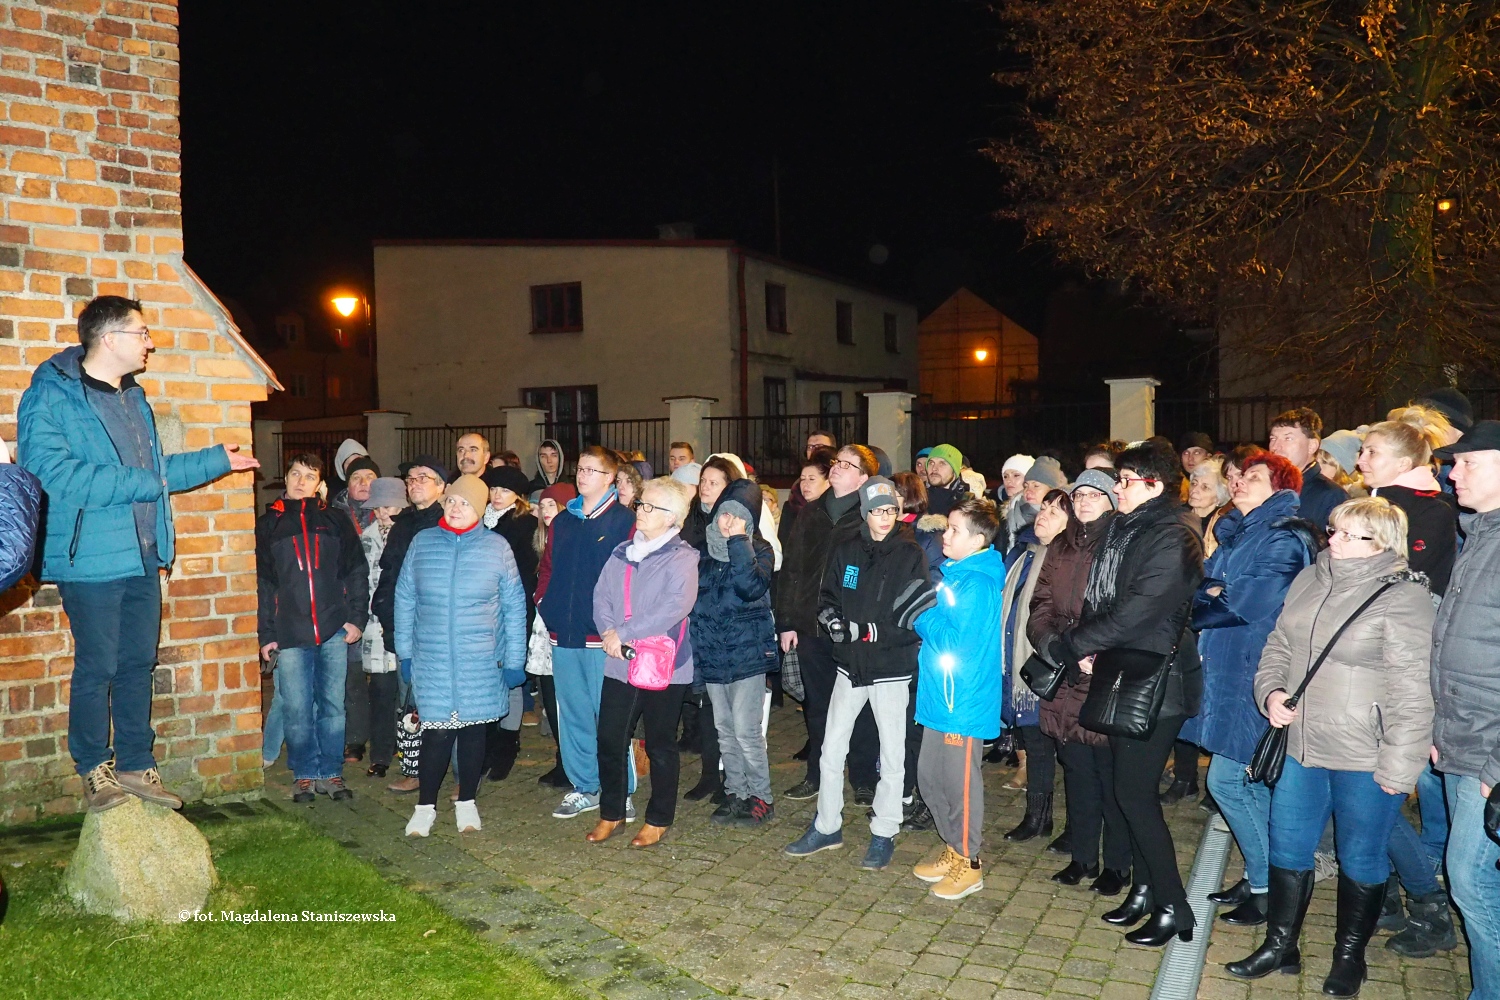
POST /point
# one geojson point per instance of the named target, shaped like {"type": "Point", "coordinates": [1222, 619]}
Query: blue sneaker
{"type": "Point", "coordinates": [878, 857]}
{"type": "Point", "coordinates": [812, 842]}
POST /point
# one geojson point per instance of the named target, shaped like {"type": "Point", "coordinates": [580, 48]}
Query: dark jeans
{"type": "Point", "coordinates": [818, 673]}
{"type": "Point", "coordinates": [620, 707]}
{"type": "Point", "coordinates": [379, 692]}
{"type": "Point", "coordinates": [913, 741]}
{"type": "Point", "coordinates": [356, 701]}
{"type": "Point", "coordinates": [116, 625]}
{"type": "Point", "coordinates": [1041, 759]}
{"type": "Point", "coordinates": [1362, 812]}
{"type": "Point", "coordinates": [432, 765]}
{"type": "Point", "coordinates": [1089, 791]}
{"type": "Point", "coordinates": [1138, 767]}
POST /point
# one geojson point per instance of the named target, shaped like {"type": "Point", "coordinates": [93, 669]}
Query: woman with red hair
{"type": "Point", "coordinates": [1263, 545]}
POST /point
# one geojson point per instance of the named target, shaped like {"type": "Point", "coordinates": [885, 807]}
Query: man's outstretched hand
{"type": "Point", "coordinates": [238, 462]}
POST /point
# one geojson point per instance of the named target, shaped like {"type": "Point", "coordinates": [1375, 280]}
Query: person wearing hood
{"type": "Point", "coordinates": [461, 623]}
{"type": "Point", "coordinates": [359, 475]}
{"type": "Point", "coordinates": [509, 515]}
{"type": "Point", "coordinates": [381, 679]}
{"type": "Point", "coordinates": [767, 524]}
{"type": "Point", "coordinates": [945, 487]}
{"type": "Point", "coordinates": [349, 449]}
{"type": "Point", "coordinates": [875, 585]}
{"type": "Point", "coordinates": [1263, 545]}
{"type": "Point", "coordinates": [1394, 460]}
{"type": "Point", "coordinates": [314, 600]}
{"type": "Point", "coordinates": [958, 694]}
{"type": "Point", "coordinates": [1088, 765]}
{"type": "Point", "coordinates": [549, 466]}
{"type": "Point", "coordinates": [734, 647]}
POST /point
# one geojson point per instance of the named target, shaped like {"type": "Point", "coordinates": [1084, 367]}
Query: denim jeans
{"type": "Point", "coordinates": [310, 687]}
{"type": "Point", "coordinates": [887, 701]}
{"type": "Point", "coordinates": [1432, 803]}
{"type": "Point", "coordinates": [1409, 859]}
{"type": "Point", "coordinates": [1246, 807]}
{"type": "Point", "coordinates": [1363, 814]}
{"type": "Point", "coordinates": [1474, 882]}
{"type": "Point", "coordinates": [116, 625]}
{"type": "Point", "coordinates": [273, 727]}
{"type": "Point", "coordinates": [738, 709]}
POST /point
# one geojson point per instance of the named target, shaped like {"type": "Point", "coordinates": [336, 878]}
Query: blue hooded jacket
{"type": "Point", "coordinates": [959, 668]}
{"type": "Point", "coordinates": [90, 520]}
{"type": "Point", "coordinates": [1259, 555]}
{"type": "Point", "coordinates": [733, 633]}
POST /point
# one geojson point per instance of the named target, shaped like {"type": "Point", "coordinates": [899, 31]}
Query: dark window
{"type": "Point", "coordinates": [830, 404]}
{"type": "Point", "coordinates": [557, 308]}
{"type": "Point", "coordinates": [776, 308]}
{"type": "Point", "coordinates": [775, 389]}
{"type": "Point", "coordinates": [844, 321]}
{"type": "Point", "coordinates": [892, 341]}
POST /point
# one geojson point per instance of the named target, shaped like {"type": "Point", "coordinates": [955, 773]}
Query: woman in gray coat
{"type": "Point", "coordinates": [1358, 738]}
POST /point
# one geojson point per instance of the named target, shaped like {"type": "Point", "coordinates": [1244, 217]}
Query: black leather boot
{"type": "Point", "coordinates": [1233, 896]}
{"type": "Point", "coordinates": [1166, 922]}
{"type": "Point", "coordinates": [1359, 910]}
{"type": "Point", "coordinates": [506, 746]}
{"type": "Point", "coordinates": [1038, 818]}
{"type": "Point", "coordinates": [1286, 905]}
{"type": "Point", "coordinates": [1139, 903]}
{"type": "Point", "coordinates": [711, 784]}
{"type": "Point", "coordinates": [1179, 789]}
{"type": "Point", "coordinates": [689, 742]}
{"type": "Point", "coordinates": [1392, 913]}
{"type": "Point", "coordinates": [1250, 913]}
{"type": "Point", "coordinates": [1063, 844]}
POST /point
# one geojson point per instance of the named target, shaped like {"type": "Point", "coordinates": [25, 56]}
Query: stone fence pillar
{"type": "Point", "coordinates": [383, 438]}
{"type": "Point", "coordinates": [687, 420]}
{"type": "Point", "coordinates": [890, 426]}
{"type": "Point", "coordinates": [1132, 408]}
{"type": "Point", "coordinates": [523, 434]}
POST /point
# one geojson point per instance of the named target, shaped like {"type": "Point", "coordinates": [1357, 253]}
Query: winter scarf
{"type": "Point", "coordinates": [640, 546]}
{"type": "Point", "coordinates": [1105, 572]}
{"type": "Point", "coordinates": [718, 545]}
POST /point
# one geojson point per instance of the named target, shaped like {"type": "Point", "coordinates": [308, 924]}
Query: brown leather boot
{"type": "Point", "coordinates": [603, 831]}
{"type": "Point", "coordinates": [101, 789]}
{"type": "Point", "coordinates": [147, 785]}
{"type": "Point", "coordinates": [649, 836]}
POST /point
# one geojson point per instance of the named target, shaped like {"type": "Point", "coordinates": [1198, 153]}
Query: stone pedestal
{"type": "Point", "coordinates": [383, 438]}
{"type": "Point", "coordinates": [687, 420]}
{"type": "Point", "coordinates": [523, 434]}
{"type": "Point", "coordinates": [140, 861]}
{"type": "Point", "coordinates": [1132, 408]}
{"type": "Point", "coordinates": [890, 426]}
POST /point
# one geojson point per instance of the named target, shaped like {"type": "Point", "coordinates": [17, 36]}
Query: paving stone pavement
{"type": "Point", "coordinates": [725, 909]}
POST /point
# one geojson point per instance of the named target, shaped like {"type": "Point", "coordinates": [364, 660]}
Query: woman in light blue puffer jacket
{"type": "Point", "coordinates": [461, 622]}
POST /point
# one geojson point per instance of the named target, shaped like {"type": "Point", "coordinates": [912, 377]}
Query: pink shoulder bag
{"type": "Point", "coordinates": [652, 659]}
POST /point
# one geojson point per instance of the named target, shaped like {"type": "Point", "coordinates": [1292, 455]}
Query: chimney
{"type": "Point", "coordinates": [676, 231]}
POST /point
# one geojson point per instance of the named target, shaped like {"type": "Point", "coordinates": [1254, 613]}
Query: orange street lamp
{"type": "Point", "coordinates": [345, 304]}
{"type": "Point", "coordinates": [982, 354]}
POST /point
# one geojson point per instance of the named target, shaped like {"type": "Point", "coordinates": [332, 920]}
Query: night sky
{"type": "Point", "coordinates": [311, 128]}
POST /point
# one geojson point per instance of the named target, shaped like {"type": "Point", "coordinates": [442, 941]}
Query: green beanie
{"type": "Point", "coordinates": [951, 455]}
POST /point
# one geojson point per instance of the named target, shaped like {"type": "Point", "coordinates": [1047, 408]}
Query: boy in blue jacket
{"type": "Point", "coordinates": [958, 693]}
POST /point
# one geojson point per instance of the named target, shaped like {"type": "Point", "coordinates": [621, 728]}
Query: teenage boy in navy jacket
{"type": "Point", "coordinates": [958, 693]}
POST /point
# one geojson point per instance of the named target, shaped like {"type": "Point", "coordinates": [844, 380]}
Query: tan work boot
{"type": "Point", "coordinates": [147, 785]}
{"type": "Point", "coordinates": [101, 789]}
{"type": "Point", "coordinates": [936, 871]}
{"type": "Point", "coordinates": [965, 877]}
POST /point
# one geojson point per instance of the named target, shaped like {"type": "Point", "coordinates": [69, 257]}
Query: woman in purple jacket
{"type": "Point", "coordinates": [663, 582]}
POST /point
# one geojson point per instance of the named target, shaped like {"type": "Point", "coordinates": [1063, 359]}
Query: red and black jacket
{"type": "Point", "coordinates": [312, 573]}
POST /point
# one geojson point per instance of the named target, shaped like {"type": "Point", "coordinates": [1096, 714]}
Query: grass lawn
{"type": "Point", "coordinates": [48, 948]}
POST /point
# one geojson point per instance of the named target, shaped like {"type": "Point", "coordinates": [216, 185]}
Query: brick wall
{"type": "Point", "coordinates": [90, 178]}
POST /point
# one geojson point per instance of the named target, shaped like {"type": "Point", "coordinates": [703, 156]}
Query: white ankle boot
{"type": "Point", "coordinates": [467, 814]}
{"type": "Point", "coordinates": [420, 824]}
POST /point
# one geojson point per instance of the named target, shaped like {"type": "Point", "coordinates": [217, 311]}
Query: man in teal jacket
{"type": "Point", "coordinates": [87, 432]}
{"type": "Point", "coordinates": [958, 693]}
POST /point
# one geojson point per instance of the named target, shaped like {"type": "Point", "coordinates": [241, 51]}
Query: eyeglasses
{"type": "Point", "coordinates": [1088, 494]}
{"type": "Point", "coordinates": [589, 470]}
{"type": "Point", "coordinates": [143, 334]}
{"type": "Point", "coordinates": [840, 463]}
{"type": "Point", "coordinates": [1348, 536]}
{"type": "Point", "coordinates": [417, 480]}
{"type": "Point", "coordinates": [1127, 480]}
{"type": "Point", "coordinates": [647, 508]}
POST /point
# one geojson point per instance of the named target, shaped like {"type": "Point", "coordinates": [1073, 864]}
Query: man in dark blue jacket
{"type": "Point", "coordinates": [87, 432]}
{"type": "Point", "coordinates": [579, 543]}
{"type": "Point", "coordinates": [1296, 436]}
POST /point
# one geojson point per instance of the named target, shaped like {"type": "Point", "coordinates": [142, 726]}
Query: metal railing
{"type": "Point", "coordinates": [649, 436]}
{"type": "Point", "coordinates": [987, 435]}
{"type": "Point", "coordinates": [1233, 420]}
{"type": "Point", "coordinates": [775, 446]}
{"type": "Point", "coordinates": [440, 442]}
{"type": "Point", "coordinates": [324, 444]}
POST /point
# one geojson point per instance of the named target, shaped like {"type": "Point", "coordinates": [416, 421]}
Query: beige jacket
{"type": "Point", "coordinates": [1370, 706]}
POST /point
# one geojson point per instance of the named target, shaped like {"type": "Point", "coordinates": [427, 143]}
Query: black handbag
{"type": "Point", "coordinates": [1126, 693]}
{"type": "Point", "coordinates": [1270, 753]}
{"type": "Point", "coordinates": [1042, 677]}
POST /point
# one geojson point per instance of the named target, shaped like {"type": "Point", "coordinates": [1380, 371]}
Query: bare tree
{"type": "Point", "coordinates": [1318, 179]}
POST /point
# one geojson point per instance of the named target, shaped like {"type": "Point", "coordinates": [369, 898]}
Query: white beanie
{"type": "Point", "coordinates": [1017, 463]}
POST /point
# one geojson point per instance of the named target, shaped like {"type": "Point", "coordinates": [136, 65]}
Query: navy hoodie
{"type": "Point", "coordinates": [578, 546]}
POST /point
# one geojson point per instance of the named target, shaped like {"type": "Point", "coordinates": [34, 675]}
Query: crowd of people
{"type": "Point", "coordinates": [1157, 602]}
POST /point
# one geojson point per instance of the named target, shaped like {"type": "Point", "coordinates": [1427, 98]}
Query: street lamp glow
{"type": "Point", "coordinates": [345, 304]}
{"type": "Point", "coordinates": [1445, 204]}
{"type": "Point", "coordinates": [981, 354]}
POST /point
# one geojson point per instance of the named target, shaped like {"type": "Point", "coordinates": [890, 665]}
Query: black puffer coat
{"type": "Point", "coordinates": [1158, 572]}
{"type": "Point", "coordinates": [803, 560]}
{"type": "Point", "coordinates": [519, 530]}
{"type": "Point", "coordinates": [733, 635]}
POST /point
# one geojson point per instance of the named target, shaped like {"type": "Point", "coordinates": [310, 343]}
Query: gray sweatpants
{"type": "Point", "coordinates": [888, 701]}
{"type": "Point", "coordinates": [742, 746]}
{"type": "Point", "coordinates": [951, 785]}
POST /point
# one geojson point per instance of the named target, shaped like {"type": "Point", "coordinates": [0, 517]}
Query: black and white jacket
{"type": "Point", "coordinates": [872, 593]}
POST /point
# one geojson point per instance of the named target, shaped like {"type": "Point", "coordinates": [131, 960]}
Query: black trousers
{"type": "Point", "coordinates": [432, 765]}
{"type": "Point", "coordinates": [620, 707]}
{"type": "Point", "coordinates": [1138, 767]}
{"type": "Point", "coordinates": [1041, 760]}
{"type": "Point", "coordinates": [1089, 790]}
{"type": "Point", "coordinates": [357, 705]}
{"type": "Point", "coordinates": [818, 673]}
{"type": "Point", "coordinates": [1185, 761]}
{"type": "Point", "coordinates": [548, 688]}
{"type": "Point", "coordinates": [913, 742]}
{"type": "Point", "coordinates": [381, 691]}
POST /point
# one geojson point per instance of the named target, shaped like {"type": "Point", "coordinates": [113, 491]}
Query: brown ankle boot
{"type": "Point", "coordinates": [603, 831]}
{"type": "Point", "coordinates": [147, 785]}
{"type": "Point", "coordinates": [101, 789]}
{"type": "Point", "coordinates": [649, 836]}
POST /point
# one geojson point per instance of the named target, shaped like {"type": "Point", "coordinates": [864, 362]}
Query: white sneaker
{"type": "Point", "coordinates": [575, 804]}
{"type": "Point", "coordinates": [420, 824]}
{"type": "Point", "coordinates": [629, 810]}
{"type": "Point", "coordinates": [467, 814]}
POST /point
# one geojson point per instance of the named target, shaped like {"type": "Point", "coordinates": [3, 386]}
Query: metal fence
{"type": "Point", "coordinates": [441, 442]}
{"type": "Point", "coordinates": [988, 435]}
{"type": "Point", "coordinates": [324, 444]}
{"type": "Point", "coordinates": [648, 436]}
{"type": "Point", "coordinates": [775, 446]}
